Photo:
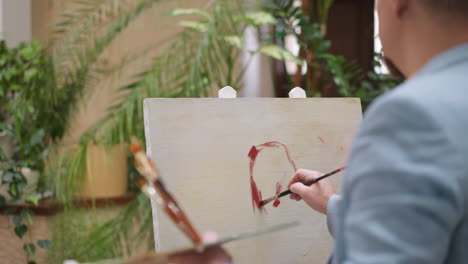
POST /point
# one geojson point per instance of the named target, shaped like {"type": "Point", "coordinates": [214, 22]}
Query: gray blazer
{"type": "Point", "coordinates": [405, 193]}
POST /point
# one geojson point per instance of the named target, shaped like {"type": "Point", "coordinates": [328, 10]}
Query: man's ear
{"type": "Point", "coordinates": [400, 7]}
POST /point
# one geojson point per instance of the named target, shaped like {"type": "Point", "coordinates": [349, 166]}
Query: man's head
{"type": "Point", "coordinates": [414, 31]}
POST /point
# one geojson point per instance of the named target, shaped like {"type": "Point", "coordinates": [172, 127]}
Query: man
{"type": "Point", "coordinates": [405, 193]}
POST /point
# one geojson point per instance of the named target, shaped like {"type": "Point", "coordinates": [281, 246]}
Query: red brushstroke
{"type": "Point", "coordinates": [277, 202]}
{"type": "Point", "coordinates": [340, 169]}
{"type": "Point", "coordinates": [256, 193]}
{"type": "Point", "coordinates": [253, 154]}
{"type": "Point", "coordinates": [321, 139]}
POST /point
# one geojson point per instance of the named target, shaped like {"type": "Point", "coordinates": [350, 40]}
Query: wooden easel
{"type": "Point", "coordinates": [201, 147]}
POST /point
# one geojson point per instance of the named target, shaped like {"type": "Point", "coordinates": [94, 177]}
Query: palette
{"type": "Point", "coordinates": [236, 237]}
{"type": "Point", "coordinates": [202, 146]}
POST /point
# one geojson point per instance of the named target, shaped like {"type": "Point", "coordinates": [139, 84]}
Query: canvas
{"type": "Point", "coordinates": [204, 150]}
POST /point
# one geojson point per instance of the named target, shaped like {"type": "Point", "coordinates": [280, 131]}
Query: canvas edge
{"type": "Point", "coordinates": [154, 212]}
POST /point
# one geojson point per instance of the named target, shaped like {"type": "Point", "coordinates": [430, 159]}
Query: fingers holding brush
{"type": "Point", "coordinates": [302, 175]}
{"type": "Point", "coordinates": [316, 195]}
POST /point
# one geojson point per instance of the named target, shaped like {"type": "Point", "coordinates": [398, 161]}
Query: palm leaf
{"type": "Point", "coordinates": [74, 71]}
{"type": "Point", "coordinates": [195, 62]}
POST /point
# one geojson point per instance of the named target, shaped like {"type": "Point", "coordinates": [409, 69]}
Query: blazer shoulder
{"type": "Point", "coordinates": [401, 103]}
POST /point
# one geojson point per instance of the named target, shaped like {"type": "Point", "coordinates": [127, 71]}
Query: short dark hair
{"type": "Point", "coordinates": [457, 8]}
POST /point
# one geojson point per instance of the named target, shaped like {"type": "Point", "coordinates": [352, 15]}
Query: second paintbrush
{"type": "Point", "coordinates": [308, 183]}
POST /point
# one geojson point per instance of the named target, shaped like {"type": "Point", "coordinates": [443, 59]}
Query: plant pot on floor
{"type": "Point", "coordinates": [106, 173]}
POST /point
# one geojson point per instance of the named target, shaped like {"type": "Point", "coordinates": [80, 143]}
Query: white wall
{"type": "Point", "coordinates": [15, 21]}
{"type": "Point", "coordinates": [1, 19]}
{"type": "Point", "coordinates": [258, 78]}
{"type": "Point", "coordinates": [378, 45]}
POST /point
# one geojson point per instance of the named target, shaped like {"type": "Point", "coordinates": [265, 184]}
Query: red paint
{"type": "Point", "coordinates": [253, 153]}
{"type": "Point", "coordinates": [321, 139]}
{"type": "Point", "coordinates": [256, 195]}
{"type": "Point", "coordinates": [255, 191]}
{"type": "Point", "coordinates": [340, 169]}
{"type": "Point", "coordinates": [277, 202]}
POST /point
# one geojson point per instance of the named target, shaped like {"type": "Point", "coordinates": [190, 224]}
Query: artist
{"type": "Point", "coordinates": [405, 192]}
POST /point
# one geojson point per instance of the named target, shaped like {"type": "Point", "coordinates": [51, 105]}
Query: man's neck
{"type": "Point", "coordinates": [427, 45]}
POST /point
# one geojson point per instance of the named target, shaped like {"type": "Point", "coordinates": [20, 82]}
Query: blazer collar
{"type": "Point", "coordinates": [446, 59]}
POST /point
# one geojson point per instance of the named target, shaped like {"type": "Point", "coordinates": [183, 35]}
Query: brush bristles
{"type": "Point", "coordinates": [267, 201]}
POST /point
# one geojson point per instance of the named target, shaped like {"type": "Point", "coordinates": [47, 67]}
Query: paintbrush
{"type": "Point", "coordinates": [308, 183]}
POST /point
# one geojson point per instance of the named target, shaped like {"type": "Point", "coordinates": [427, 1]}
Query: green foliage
{"type": "Point", "coordinates": [189, 11]}
{"type": "Point", "coordinates": [341, 75]}
{"type": "Point", "coordinates": [78, 234]}
{"type": "Point", "coordinates": [194, 25]}
{"type": "Point", "coordinates": [196, 59]}
{"type": "Point", "coordinates": [309, 29]}
{"type": "Point", "coordinates": [323, 8]}
{"type": "Point", "coordinates": [23, 76]}
{"type": "Point", "coordinates": [279, 53]}
{"type": "Point", "coordinates": [81, 38]}
{"type": "Point", "coordinates": [22, 224]}
{"type": "Point", "coordinates": [323, 68]}
{"type": "Point", "coordinates": [45, 244]}
{"type": "Point", "coordinates": [371, 85]}
{"type": "Point", "coordinates": [20, 68]}
{"type": "Point", "coordinates": [30, 249]}
{"type": "Point", "coordinates": [33, 199]}
{"type": "Point", "coordinates": [20, 230]}
{"type": "Point", "coordinates": [258, 18]}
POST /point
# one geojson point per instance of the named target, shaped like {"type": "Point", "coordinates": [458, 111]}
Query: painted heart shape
{"type": "Point", "coordinates": [256, 192]}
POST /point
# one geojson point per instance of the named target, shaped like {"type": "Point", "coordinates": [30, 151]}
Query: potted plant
{"type": "Point", "coordinates": [25, 142]}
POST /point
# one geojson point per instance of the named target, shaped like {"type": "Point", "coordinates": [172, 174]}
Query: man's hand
{"type": "Point", "coordinates": [212, 255]}
{"type": "Point", "coordinates": [316, 195]}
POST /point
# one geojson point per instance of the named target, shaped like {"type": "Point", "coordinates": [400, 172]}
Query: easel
{"type": "Point", "coordinates": [198, 143]}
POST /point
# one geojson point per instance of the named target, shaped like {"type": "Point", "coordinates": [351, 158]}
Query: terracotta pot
{"type": "Point", "coordinates": [106, 173]}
